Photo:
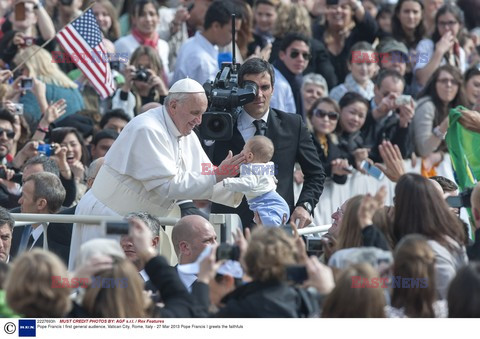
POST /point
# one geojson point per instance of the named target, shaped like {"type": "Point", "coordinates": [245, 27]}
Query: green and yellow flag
{"type": "Point", "coordinates": [464, 148]}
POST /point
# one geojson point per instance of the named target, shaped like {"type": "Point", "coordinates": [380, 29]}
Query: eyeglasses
{"type": "Point", "coordinates": [294, 54]}
{"type": "Point", "coordinates": [447, 23]}
{"type": "Point", "coordinates": [446, 81]}
{"type": "Point", "coordinates": [10, 134]}
{"type": "Point", "coordinates": [320, 113]}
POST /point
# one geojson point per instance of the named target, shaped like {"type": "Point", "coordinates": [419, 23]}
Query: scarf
{"type": "Point", "coordinates": [295, 82]}
{"type": "Point", "coordinates": [144, 40]}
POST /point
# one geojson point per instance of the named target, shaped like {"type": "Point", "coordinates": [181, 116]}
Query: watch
{"type": "Point", "coordinates": [307, 206]}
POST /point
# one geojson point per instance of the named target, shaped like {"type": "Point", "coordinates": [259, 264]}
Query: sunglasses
{"type": "Point", "coordinates": [294, 54]}
{"type": "Point", "coordinates": [9, 132]}
{"type": "Point", "coordinates": [320, 113]}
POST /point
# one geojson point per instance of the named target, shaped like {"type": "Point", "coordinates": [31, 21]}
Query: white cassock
{"type": "Point", "coordinates": [148, 168]}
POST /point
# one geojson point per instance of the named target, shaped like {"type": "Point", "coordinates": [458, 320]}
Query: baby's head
{"type": "Point", "coordinates": [258, 149]}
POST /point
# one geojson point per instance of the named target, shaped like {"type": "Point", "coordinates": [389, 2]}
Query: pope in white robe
{"type": "Point", "coordinates": [155, 161]}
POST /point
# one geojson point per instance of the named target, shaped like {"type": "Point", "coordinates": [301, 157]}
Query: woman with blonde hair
{"type": "Point", "coordinates": [50, 84]}
{"type": "Point", "coordinates": [269, 253]}
{"type": "Point", "coordinates": [414, 259]}
{"type": "Point", "coordinates": [29, 287]}
{"type": "Point", "coordinates": [345, 301]}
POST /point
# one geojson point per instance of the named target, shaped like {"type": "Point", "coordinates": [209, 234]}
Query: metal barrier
{"type": "Point", "coordinates": [28, 218]}
{"type": "Point", "coordinates": [314, 229]}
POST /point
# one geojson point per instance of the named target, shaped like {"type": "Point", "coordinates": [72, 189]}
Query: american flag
{"type": "Point", "coordinates": [82, 39]}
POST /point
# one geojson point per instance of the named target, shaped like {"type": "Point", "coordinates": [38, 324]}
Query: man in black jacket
{"type": "Point", "coordinates": [42, 193]}
{"type": "Point", "coordinates": [389, 117]}
{"type": "Point", "coordinates": [291, 140]}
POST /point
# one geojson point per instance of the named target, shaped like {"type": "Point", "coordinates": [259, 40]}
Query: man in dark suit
{"type": "Point", "coordinates": [6, 229]}
{"type": "Point", "coordinates": [290, 137]}
{"type": "Point", "coordinates": [42, 193]}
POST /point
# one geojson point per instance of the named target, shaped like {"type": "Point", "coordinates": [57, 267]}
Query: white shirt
{"type": "Point", "coordinates": [128, 44]}
{"type": "Point", "coordinates": [144, 275]}
{"type": "Point", "coordinates": [245, 124]}
{"type": "Point", "coordinates": [187, 279]}
{"type": "Point", "coordinates": [36, 233]}
{"type": "Point", "coordinates": [282, 98]}
{"type": "Point", "coordinates": [197, 59]}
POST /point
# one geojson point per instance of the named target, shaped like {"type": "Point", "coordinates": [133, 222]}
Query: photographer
{"type": "Point", "coordinates": [143, 82]}
{"type": "Point", "coordinates": [389, 117]}
{"type": "Point", "coordinates": [34, 26]}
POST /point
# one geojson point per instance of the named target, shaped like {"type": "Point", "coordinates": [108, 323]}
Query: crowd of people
{"type": "Point", "coordinates": [340, 88]}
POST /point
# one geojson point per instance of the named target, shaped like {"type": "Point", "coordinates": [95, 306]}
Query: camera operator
{"type": "Point", "coordinates": [291, 140]}
{"type": "Point", "coordinates": [388, 118]}
{"type": "Point", "coordinates": [143, 82]}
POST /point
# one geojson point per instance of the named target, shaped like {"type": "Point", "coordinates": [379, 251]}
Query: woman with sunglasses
{"type": "Point", "coordinates": [323, 117]}
{"type": "Point", "coordinates": [443, 91]}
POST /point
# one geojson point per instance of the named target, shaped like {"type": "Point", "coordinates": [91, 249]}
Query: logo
{"type": "Point", "coordinates": [10, 328]}
{"type": "Point", "coordinates": [97, 282]}
{"type": "Point", "coordinates": [27, 328]}
{"type": "Point", "coordinates": [394, 282]}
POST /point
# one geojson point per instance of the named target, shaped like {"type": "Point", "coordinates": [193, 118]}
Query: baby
{"type": "Point", "coordinates": [257, 181]}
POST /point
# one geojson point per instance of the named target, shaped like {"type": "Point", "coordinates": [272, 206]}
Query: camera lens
{"type": "Point", "coordinates": [217, 125]}
{"type": "Point", "coordinates": [142, 75]}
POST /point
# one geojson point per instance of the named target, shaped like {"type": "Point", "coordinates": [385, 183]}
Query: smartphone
{"type": "Point", "coordinates": [296, 273]}
{"type": "Point", "coordinates": [20, 11]}
{"type": "Point", "coordinates": [403, 100]}
{"type": "Point", "coordinates": [26, 84]}
{"type": "Point", "coordinates": [372, 170]}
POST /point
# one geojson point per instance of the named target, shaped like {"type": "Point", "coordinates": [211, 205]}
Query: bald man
{"type": "Point", "coordinates": [473, 251]}
{"type": "Point", "coordinates": [190, 236]}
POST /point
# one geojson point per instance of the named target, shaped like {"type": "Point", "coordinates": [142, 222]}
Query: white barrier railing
{"type": "Point", "coordinates": [314, 229]}
{"type": "Point", "coordinates": [73, 218]}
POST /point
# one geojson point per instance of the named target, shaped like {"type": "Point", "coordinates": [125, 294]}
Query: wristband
{"type": "Point", "coordinates": [43, 129]}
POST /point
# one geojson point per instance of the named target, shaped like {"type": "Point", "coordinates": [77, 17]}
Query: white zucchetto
{"type": "Point", "coordinates": [186, 85]}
